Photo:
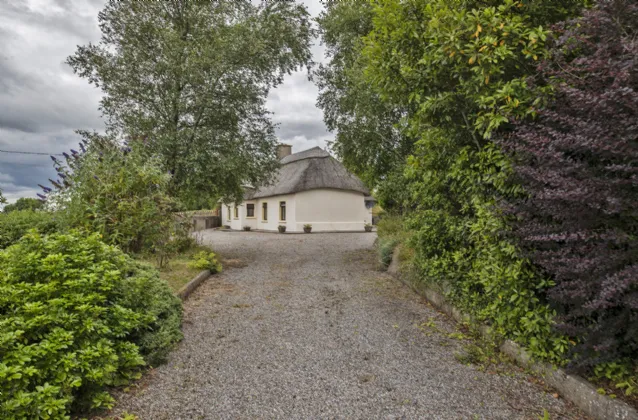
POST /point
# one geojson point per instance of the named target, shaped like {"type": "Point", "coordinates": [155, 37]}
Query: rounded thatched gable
{"type": "Point", "coordinates": [308, 170]}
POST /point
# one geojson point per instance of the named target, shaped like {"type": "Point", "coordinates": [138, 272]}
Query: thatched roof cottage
{"type": "Point", "coordinates": [311, 187]}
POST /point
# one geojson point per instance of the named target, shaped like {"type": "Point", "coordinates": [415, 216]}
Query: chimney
{"type": "Point", "coordinates": [283, 150]}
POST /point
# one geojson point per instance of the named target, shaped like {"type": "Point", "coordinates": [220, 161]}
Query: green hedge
{"type": "Point", "coordinates": [461, 70]}
{"type": "Point", "coordinates": [15, 224]}
{"type": "Point", "coordinates": [462, 243]}
{"type": "Point", "coordinates": [76, 317]}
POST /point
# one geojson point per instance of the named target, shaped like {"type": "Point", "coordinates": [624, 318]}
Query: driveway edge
{"type": "Point", "coordinates": [190, 287]}
{"type": "Point", "coordinates": [572, 387]}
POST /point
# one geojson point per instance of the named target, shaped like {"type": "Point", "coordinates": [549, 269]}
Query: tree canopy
{"type": "Point", "coordinates": [24, 203]}
{"type": "Point", "coordinates": [458, 64]}
{"type": "Point", "coordinates": [191, 80]}
{"type": "Point", "coordinates": [367, 138]}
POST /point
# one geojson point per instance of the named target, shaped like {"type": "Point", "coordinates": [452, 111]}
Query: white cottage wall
{"type": "Point", "coordinates": [325, 209]}
{"type": "Point", "coordinates": [331, 210]}
{"type": "Point", "coordinates": [273, 221]}
{"type": "Point", "coordinates": [236, 222]}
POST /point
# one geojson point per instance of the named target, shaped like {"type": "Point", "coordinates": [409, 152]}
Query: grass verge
{"type": "Point", "coordinates": [178, 271]}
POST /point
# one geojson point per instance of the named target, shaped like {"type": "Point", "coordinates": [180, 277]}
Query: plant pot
{"type": "Point", "coordinates": [281, 228]}
{"type": "Point", "coordinates": [307, 230]}
{"type": "Point", "coordinates": [368, 228]}
{"type": "Point", "coordinates": [247, 228]}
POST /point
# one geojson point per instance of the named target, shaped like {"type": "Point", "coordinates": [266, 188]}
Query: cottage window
{"type": "Point", "coordinates": [264, 211]}
{"type": "Point", "coordinates": [228, 207]}
{"type": "Point", "coordinates": [236, 212]}
{"type": "Point", "coordinates": [282, 211]}
{"type": "Point", "coordinates": [250, 210]}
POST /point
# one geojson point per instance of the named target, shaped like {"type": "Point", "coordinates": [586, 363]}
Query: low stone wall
{"type": "Point", "coordinates": [572, 387]}
{"type": "Point", "coordinates": [190, 287]}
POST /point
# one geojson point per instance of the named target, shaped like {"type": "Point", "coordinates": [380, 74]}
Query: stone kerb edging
{"type": "Point", "coordinates": [572, 387]}
{"type": "Point", "coordinates": [190, 287]}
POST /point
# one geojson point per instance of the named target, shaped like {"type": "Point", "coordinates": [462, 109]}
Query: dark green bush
{"type": "Point", "coordinates": [76, 316]}
{"type": "Point", "coordinates": [119, 192]}
{"type": "Point", "coordinates": [15, 224]}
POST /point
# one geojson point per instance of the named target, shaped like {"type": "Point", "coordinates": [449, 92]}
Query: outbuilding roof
{"type": "Point", "coordinates": [308, 170]}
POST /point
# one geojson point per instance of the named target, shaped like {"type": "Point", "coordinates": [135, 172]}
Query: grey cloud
{"type": "Point", "coordinates": [21, 173]}
{"type": "Point", "coordinates": [8, 121]}
{"type": "Point", "coordinates": [312, 129]}
{"type": "Point", "coordinates": [48, 108]}
{"type": "Point", "coordinates": [12, 79]}
{"type": "Point", "coordinates": [48, 143]}
{"type": "Point", "coordinates": [6, 178]}
{"type": "Point", "coordinates": [41, 102]}
{"type": "Point", "coordinates": [37, 92]}
{"type": "Point", "coordinates": [77, 19]}
{"type": "Point", "coordinates": [293, 106]}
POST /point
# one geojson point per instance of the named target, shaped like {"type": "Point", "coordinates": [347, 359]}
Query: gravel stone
{"type": "Point", "coordinates": [305, 326]}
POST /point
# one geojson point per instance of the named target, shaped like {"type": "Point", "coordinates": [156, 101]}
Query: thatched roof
{"type": "Point", "coordinates": [308, 170]}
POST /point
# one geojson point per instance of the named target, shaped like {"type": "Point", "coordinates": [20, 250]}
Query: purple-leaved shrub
{"type": "Point", "coordinates": [579, 164]}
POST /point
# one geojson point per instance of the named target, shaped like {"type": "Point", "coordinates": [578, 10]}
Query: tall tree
{"type": "Point", "coordinates": [191, 79]}
{"type": "Point", "coordinates": [367, 138]}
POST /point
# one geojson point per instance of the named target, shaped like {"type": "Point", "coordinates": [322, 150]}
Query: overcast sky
{"type": "Point", "coordinates": [42, 102]}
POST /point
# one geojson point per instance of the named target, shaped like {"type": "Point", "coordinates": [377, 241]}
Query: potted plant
{"type": "Point", "coordinates": [307, 228]}
{"type": "Point", "coordinates": [367, 227]}
{"type": "Point", "coordinates": [282, 228]}
{"type": "Point", "coordinates": [247, 228]}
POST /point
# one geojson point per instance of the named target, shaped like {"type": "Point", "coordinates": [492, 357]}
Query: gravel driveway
{"type": "Point", "coordinates": [304, 326]}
